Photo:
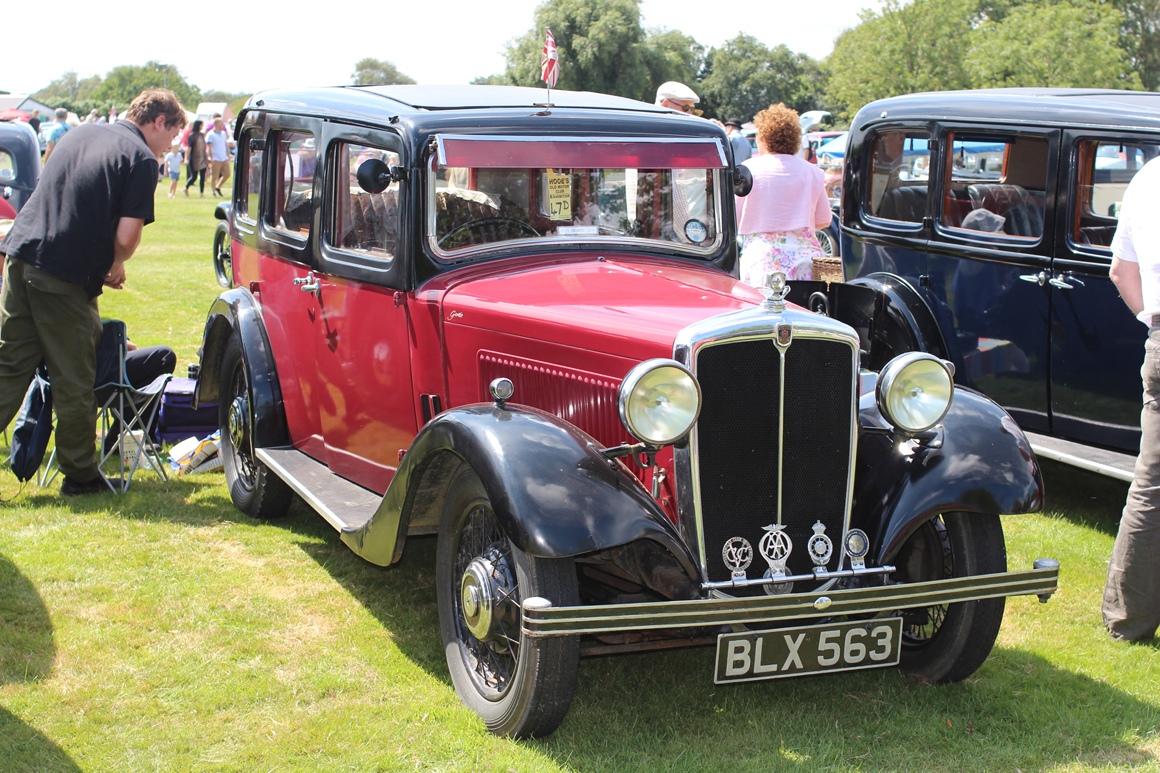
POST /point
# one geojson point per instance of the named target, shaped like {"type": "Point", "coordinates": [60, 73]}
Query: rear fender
{"type": "Point", "coordinates": [978, 462]}
{"type": "Point", "coordinates": [552, 492]}
{"type": "Point", "coordinates": [236, 312]}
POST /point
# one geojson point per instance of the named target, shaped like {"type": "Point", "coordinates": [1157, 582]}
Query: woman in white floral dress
{"type": "Point", "coordinates": [788, 203]}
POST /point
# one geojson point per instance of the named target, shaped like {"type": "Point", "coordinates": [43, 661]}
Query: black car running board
{"type": "Point", "coordinates": [346, 506]}
{"type": "Point", "coordinates": [1099, 460]}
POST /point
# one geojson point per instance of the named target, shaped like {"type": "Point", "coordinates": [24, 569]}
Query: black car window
{"type": "Point", "coordinates": [366, 223]}
{"type": "Point", "coordinates": [995, 184]}
{"type": "Point", "coordinates": [1104, 168]}
{"type": "Point", "coordinates": [249, 177]}
{"type": "Point", "coordinates": [291, 206]}
{"type": "Point", "coordinates": [7, 166]}
{"type": "Point", "coordinates": [899, 175]}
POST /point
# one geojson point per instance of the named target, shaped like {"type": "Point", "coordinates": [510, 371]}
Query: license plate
{"type": "Point", "coordinates": [811, 649]}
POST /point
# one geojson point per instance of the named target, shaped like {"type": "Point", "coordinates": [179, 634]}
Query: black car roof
{"type": "Point", "coordinates": [1072, 107]}
{"type": "Point", "coordinates": [427, 110]}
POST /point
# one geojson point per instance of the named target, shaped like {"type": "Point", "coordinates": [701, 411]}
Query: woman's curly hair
{"type": "Point", "coordinates": [778, 129]}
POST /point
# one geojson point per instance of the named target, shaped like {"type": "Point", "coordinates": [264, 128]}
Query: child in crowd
{"type": "Point", "coordinates": [173, 161]}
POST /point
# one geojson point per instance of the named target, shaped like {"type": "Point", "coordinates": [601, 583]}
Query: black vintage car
{"type": "Point", "coordinates": [980, 222]}
{"type": "Point", "coordinates": [19, 166]}
{"type": "Point", "coordinates": [516, 326]}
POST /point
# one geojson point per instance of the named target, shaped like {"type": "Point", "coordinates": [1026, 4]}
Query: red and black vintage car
{"type": "Point", "coordinates": [462, 312]}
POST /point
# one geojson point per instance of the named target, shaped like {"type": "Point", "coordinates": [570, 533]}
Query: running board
{"type": "Point", "coordinates": [345, 506]}
{"type": "Point", "coordinates": [1110, 463]}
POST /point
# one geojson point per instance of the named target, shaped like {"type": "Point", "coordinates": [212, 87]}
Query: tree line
{"type": "Point", "coordinates": [902, 47]}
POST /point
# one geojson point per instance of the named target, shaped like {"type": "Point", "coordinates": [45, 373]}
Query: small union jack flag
{"type": "Point", "coordinates": [550, 61]}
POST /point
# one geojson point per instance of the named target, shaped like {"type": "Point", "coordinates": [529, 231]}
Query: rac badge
{"type": "Point", "coordinates": [737, 554]}
{"type": "Point", "coordinates": [820, 547]}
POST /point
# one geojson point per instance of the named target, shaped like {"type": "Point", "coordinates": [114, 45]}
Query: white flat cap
{"type": "Point", "coordinates": [676, 90]}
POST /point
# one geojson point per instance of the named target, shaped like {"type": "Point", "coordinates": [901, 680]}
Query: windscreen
{"type": "Point", "coordinates": [502, 192]}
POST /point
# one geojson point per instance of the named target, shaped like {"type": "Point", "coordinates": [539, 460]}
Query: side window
{"type": "Point", "coordinates": [291, 205]}
{"type": "Point", "coordinates": [899, 175]}
{"type": "Point", "coordinates": [995, 184]}
{"type": "Point", "coordinates": [249, 178]}
{"type": "Point", "coordinates": [363, 222]}
{"type": "Point", "coordinates": [1104, 168]}
{"type": "Point", "coordinates": [7, 166]}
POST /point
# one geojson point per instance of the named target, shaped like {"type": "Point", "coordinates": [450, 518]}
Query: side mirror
{"type": "Point", "coordinates": [373, 175]}
{"type": "Point", "coordinates": [742, 180]}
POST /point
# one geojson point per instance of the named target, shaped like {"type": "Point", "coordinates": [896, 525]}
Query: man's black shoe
{"type": "Point", "coordinates": [98, 485]}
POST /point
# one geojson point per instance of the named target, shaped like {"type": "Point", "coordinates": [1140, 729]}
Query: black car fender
{"type": "Point", "coordinates": [552, 492]}
{"type": "Point", "coordinates": [236, 312]}
{"type": "Point", "coordinates": [892, 316]}
{"type": "Point", "coordinates": [977, 460]}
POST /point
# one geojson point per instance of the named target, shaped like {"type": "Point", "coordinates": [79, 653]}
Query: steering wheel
{"type": "Point", "coordinates": [528, 228]}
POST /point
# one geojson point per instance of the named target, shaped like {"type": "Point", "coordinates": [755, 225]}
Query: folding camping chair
{"type": "Point", "coordinates": [131, 410]}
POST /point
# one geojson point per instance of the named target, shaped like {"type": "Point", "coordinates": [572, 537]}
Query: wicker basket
{"type": "Point", "coordinates": [828, 270]}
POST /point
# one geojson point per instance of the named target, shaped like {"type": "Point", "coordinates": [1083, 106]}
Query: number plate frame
{"type": "Point", "coordinates": [800, 649]}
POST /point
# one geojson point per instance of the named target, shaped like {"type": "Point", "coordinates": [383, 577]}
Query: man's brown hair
{"type": "Point", "coordinates": [779, 129]}
{"type": "Point", "coordinates": [155, 102]}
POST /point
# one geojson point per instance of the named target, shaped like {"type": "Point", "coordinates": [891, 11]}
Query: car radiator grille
{"type": "Point", "coordinates": [738, 453]}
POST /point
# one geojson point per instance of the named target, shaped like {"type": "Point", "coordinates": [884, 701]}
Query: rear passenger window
{"type": "Point", "coordinates": [292, 205]}
{"type": "Point", "coordinates": [996, 185]}
{"type": "Point", "coordinates": [1104, 169]}
{"type": "Point", "coordinates": [899, 174]}
{"type": "Point", "coordinates": [363, 222]}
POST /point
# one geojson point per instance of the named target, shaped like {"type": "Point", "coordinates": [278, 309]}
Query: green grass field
{"type": "Point", "coordinates": [165, 631]}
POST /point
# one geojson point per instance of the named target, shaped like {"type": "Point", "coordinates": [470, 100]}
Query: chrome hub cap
{"type": "Point", "coordinates": [239, 421]}
{"type": "Point", "coordinates": [478, 596]}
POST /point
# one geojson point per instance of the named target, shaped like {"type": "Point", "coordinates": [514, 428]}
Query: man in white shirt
{"type": "Point", "coordinates": [1131, 605]}
{"type": "Point", "coordinates": [217, 142]}
{"type": "Point", "coordinates": [689, 185]}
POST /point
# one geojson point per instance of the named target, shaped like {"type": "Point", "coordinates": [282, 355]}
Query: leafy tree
{"type": "Point", "coordinates": [905, 48]}
{"type": "Point", "coordinates": [743, 76]}
{"type": "Point", "coordinates": [235, 99]}
{"type": "Point", "coordinates": [122, 84]}
{"type": "Point", "coordinates": [671, 55]}
{"type": "Point", "coordinates": [68, 88]}
{"type": "Point", "coordinates": [378, 72]}
{"type": "Point", "coordinates": [1140, 38]}
{"type": "Point", "coordinates": [1045, 44]}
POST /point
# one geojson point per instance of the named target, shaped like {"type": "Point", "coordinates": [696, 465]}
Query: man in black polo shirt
{"type": "Point", "coordinates": [71, 239]}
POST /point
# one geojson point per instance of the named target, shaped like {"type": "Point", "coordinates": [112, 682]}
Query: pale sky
{"type": "Point", "coordinates": [256, 46]}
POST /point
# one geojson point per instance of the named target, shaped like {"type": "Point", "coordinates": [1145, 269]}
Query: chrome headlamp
{"type": "Point", "coordinates": [659, 401]}
{"type": "Point", "coordinates": [914, 391]}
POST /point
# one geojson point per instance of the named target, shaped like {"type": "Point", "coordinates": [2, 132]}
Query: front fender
{"type": "Point", "coordinates": [553, 493]}
{"type": "Point", "coordinates": [236, 312]}
{"type": "Point", "coordinates": [980, 461]}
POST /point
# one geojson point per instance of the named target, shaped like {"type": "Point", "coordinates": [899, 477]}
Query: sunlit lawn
{"type": "Point", "coordinates": [164, 631]}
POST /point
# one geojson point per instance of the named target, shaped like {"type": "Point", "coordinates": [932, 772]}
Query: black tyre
{"type": "Point", "coordinates": [947, 643]}
{"type": "Point", "coordinates": [223, 266]}
{"type": "Point", "coordinates": [254, 489]}
{"type": "Point", "coordinates": [520, 686]}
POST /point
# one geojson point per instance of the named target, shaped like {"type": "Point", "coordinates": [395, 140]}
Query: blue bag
{"type": "Point", "coordinates": [33, 428]}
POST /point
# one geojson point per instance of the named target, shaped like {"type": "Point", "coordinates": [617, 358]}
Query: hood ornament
{"type": "Point", "coordinates": [774, 290]}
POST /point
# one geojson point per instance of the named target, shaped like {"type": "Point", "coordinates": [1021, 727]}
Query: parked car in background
{"type": "Point", "coordinates": [811, 141]}
{"type": "Point", "coordinates": [19, 166]}
{"type": "Point", "coordinates": [514, 326]}
{"type": "Point", "coordinates": [985, 217]}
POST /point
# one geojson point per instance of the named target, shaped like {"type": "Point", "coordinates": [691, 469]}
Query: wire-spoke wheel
{"type": "Point", "coordinates": [254, 489]}
{"type": "Point", "coordinates": [520, 686]}
{"type": "Point", "coordinates": [948, 642]}
{"type": "Point", "coordinates": [223, 267]}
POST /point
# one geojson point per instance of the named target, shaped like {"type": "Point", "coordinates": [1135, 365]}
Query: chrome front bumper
{"type": "Point", "coordinates": [540, 618]}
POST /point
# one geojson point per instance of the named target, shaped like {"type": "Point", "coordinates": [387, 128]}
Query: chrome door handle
{"type": "Point", "coordinates": [1040, 278]}
{"type": "Point", "coordinates": [1064, 282]}
{"type": "Point", "coordinates": [308, 283]}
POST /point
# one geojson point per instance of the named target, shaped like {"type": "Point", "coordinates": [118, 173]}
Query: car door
{"type": "Point", "coordinates": [1096, 343]}
{"type": "Point", "coordinates": [280, 263]}
{"type": "Point", "coordinates": [361, 339]}
{"type": "Point", "coordinates": [990, 261]}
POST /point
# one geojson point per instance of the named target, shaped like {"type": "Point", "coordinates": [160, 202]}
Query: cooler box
{"type": "Point", "coordinates": [177, 420]}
